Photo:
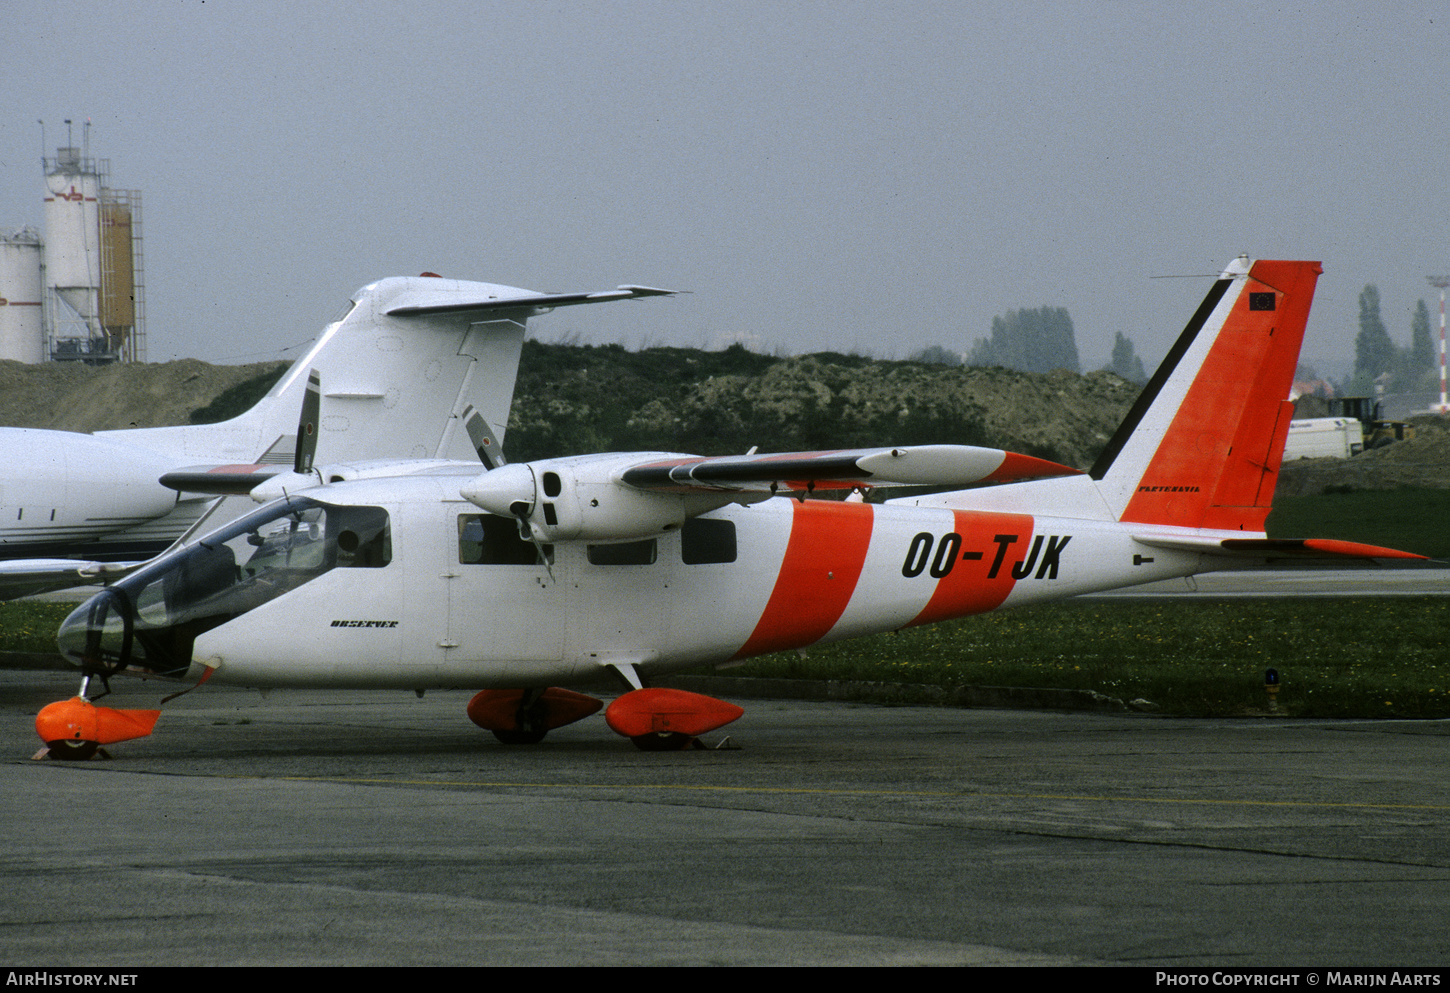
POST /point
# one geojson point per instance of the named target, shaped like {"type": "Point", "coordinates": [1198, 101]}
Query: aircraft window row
{"type": "Point", "coordinates": [487, 539]}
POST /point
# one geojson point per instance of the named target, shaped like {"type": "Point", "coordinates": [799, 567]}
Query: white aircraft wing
{"type": "Point", "coordinates": [916, 465]}
{"type": "Point", "coordinates": [627, 496]}
{"type": "Point", "coordinates": [26, 577]}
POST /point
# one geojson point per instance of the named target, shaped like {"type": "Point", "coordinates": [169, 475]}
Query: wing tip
{"type": "Point", "coordinates": [1016, 467]}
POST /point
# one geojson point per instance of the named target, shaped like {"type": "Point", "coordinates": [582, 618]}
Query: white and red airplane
{"type": "Point", "coordinates": [526, 578]}
{"type": "Point", "coordinates": [401, 364]}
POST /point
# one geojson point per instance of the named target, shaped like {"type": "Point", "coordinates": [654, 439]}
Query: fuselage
{"type": "Point", "coordinates": [87, 495]}
{"type": "Point", "coordinates": [447, 596]}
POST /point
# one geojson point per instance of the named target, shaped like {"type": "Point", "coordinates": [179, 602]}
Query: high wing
{"type": "Point", "coordinates": [633, 495]}
{"type": "Point", "coordinates": [918, 465]}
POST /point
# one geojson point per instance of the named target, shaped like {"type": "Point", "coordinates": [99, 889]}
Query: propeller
{"type": "Point", "coordinates": [239, 480]}
{"type": "Point", "coordinates": [307, 425]}
{"type": "Point", "coordinates": [490, 453]}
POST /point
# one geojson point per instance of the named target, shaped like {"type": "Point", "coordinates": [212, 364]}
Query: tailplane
{"type": "Point", "coordinates": [1201, 447]}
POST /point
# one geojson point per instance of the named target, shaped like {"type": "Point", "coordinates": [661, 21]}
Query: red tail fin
{"type": "Point", "coordinates": [1201, 447]}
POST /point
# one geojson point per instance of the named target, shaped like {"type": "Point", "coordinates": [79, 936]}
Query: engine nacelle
{"type": "Point", "coordinates": [582, 499]}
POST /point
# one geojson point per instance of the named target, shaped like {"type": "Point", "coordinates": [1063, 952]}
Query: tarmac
{"type": "Point", "coordinates": [348, 828]}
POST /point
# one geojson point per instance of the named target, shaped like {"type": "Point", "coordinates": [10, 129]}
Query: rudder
{"type": "Point", "coordinates": [1202, 446]}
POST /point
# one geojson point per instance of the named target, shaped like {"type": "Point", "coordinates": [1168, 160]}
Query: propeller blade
{"type": "Point", "coordinates": [490, 453]}
{"type": "Point", "coordinates": [307, 425]}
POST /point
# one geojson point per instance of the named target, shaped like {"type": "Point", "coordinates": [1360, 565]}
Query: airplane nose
{"type": "Point", "coordinates": [499, 490]}
{"type": "Point", "coordinates": [96, 635]}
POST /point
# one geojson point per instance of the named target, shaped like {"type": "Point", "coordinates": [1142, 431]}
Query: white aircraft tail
{"type": "Point", "coordinates": [398, 371]}
{"type": "Point", "coordinates": [1201, 447]}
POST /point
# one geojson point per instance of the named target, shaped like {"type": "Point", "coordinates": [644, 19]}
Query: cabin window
{"type": "Point", "coordinates": [625, 553]}
{"type": "Point", "coordinates": [364, 540]}
{"type": "Point", "coordinates": [487, 539]}
{"type": "Point", "coordinates": [703, 541]}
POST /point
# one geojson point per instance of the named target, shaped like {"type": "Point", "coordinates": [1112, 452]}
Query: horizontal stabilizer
{"type": "Point", "coordinates": [222, 480]}
{"type": "Point", "coordinates": [920, 465]}
{"type": "Point", "coordinates": [425, 302]}
{"type": "Point", "coordinates": [1277, 548]}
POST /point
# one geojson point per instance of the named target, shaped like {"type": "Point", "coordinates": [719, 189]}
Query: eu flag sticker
{"type": "Point", "coordinates": [1261, 301]}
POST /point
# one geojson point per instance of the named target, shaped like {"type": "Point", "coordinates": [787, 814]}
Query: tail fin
{"type": "Point", "coordinates": [1201, 447]}
{"type": "Point", "coordinates": [398, 371]}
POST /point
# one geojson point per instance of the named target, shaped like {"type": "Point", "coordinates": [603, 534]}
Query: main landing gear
{"type": "Point", "coordinates": [523, 717]}
{"type": "Point", "coordinates": [656, 719]}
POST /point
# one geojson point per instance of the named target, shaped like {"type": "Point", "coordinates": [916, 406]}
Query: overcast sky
{"type": "Point", "coordinates": [865, 177]}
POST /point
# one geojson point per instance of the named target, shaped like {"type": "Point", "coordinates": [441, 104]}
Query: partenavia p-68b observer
{"type": "Point", "coordinates": [522, 579]}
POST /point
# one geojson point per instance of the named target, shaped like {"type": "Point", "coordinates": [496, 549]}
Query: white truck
{"type": "Point", "coordinates": [1317, 437]}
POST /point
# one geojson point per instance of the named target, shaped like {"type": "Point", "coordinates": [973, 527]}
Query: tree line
{"type": "Point", "coordinates": [1037, 339]}
{"type": "Point", "coordinates": [1377, 359]}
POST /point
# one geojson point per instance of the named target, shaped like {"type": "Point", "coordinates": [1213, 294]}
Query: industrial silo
{"type": "Point", "coordinates": [73, 257]}
{"type": "Point", "coordinates": [22, 332]}
{"type": "Point", "coordinates": [122, 299]}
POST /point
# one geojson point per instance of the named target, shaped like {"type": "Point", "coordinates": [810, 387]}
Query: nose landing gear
{"type": "Point", "coordinates": [76, 728]}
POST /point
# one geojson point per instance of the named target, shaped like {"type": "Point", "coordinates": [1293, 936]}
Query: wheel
{"type": "Point", "coordinates": [520, 737]}
{"type": "Point", "coordinates": [71, 750]}
{"type": "Point", "coordinates": [663, 741]}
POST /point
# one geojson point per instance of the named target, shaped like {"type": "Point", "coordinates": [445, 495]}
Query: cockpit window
{"type": "Point", "coordinates": [251, 561]}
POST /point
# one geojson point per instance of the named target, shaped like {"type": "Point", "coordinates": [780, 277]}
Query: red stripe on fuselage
{"type": "Point", "coordinates": [823, 560]}
{"type": "Point", "coordinates": [975, 585]}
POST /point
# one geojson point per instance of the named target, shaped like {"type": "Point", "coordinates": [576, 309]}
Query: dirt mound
{"type": "Point", "coordinates": [70, 396]}
{"type": "Point", "coordinates": [574, 400]}
{"type": "Point", "coordinates": [1060, 412]}
{"type": "Point", "coordinates": [681, 399]}
{"type": "Point", "coordinates": [1423, 460]}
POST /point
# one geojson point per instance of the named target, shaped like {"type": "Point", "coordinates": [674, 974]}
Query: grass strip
{"type": "Point", "coordinates": [1335, 656]}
